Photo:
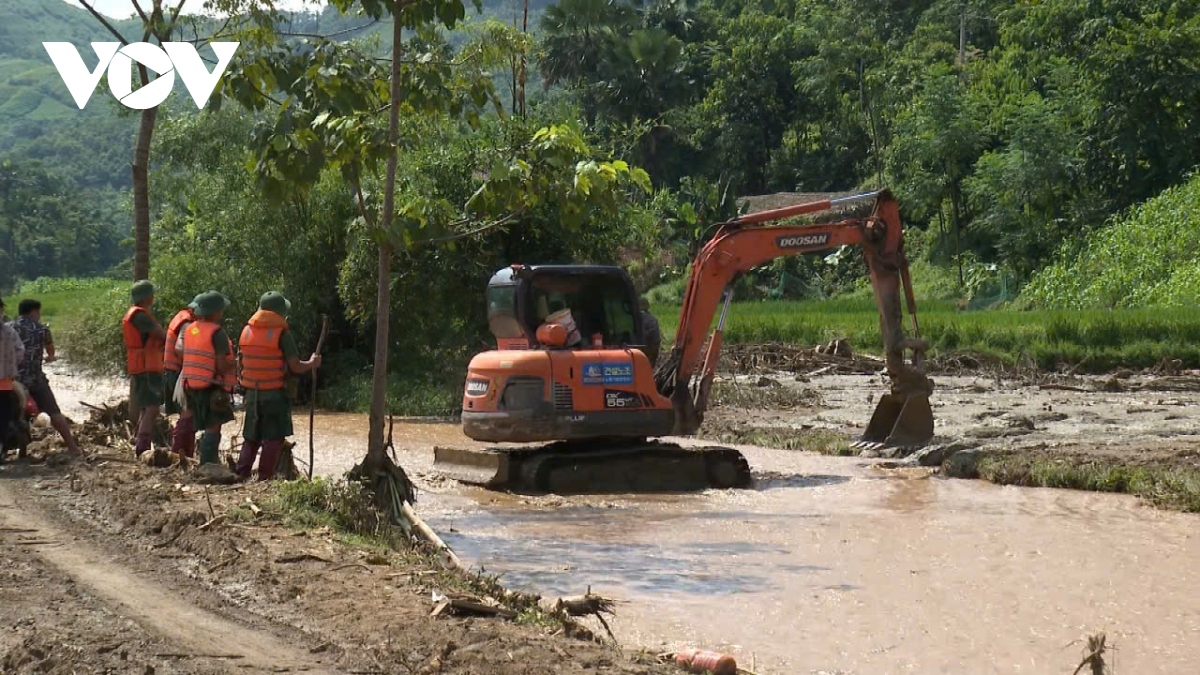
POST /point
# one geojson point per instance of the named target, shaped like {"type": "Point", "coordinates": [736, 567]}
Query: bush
{"type": "Point", "coordinates": [344, 507]}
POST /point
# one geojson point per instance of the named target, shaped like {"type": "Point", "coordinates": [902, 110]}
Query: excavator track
{"type": "Point", "coordinates": [597, 467]}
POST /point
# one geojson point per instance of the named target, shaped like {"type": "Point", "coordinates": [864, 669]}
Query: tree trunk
{"type": "Point", "coordinates": [141, 188]}
{"type": "Point", "coordinates": [524, 31]}
{"type": "Point", "coordinates": [376, 452]}
{"type": "Point", "coordinates": [956, 214]}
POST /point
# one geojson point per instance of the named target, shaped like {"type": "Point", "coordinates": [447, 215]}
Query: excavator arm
{"type": "Point", "coordinates": [903, 417]}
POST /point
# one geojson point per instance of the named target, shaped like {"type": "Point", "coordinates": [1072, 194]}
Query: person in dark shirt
{"type": "Point", "coordinates": [652, 333]}
{"type": "Point", "coordinates": [39, 349]}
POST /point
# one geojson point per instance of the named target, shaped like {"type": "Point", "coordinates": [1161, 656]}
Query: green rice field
{"type": "Point", "coordinates": [1100, 340]}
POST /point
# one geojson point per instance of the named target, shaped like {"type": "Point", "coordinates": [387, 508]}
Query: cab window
{"type": "Point", "coordinates": [598, 305]}
{"type": "Point", "coordinates": [502, 312]}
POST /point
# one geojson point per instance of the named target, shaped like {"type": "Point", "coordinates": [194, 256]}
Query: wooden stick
{"type": "Point", "coordinates": [312, 399]}
{"type": "Point", "coordinates": [212, 515]}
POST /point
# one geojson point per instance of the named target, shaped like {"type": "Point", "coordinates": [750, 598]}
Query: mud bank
{"type": "Point", "coordinates": [1132, 433]}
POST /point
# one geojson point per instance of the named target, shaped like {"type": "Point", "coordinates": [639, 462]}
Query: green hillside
{"type": "Point", "coordinates": [40, 121]}
{"type": "Point", "coordinates": [38, 118]}
{"type": "Point", "coordinates": [1149, 258]}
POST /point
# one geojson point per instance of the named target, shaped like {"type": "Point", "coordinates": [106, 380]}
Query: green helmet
{"type": "Point", "coordinates": [273, 301]}
{"type": "Point", "coordinates": [141, 290]}
{"type": "Point", "coordinates": [209, 302]}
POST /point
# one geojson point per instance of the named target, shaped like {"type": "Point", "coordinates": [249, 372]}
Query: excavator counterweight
{"type": "Point", "coordinates": [571, 369]}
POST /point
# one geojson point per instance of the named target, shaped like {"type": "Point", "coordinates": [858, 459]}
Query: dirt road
{"type": "Point", "coordinates": [58, 565]}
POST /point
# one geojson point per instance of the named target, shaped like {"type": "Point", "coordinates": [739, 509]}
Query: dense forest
{"type": "Point", "coordinates": [1015, 133]}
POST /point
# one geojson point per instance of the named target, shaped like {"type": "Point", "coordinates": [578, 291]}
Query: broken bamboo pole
{"type": "Point", "coordinates": [431, 537]}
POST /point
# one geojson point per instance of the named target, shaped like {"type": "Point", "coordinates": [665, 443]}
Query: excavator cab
{"type": "Point", "coordinates": [600, 299]}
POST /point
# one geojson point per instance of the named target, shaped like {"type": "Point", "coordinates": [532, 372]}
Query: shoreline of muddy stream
{"type": "Point", "coordinates": [800, 574]}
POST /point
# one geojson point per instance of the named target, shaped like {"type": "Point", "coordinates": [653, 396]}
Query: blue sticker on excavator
{"type": "Point", "coordinates": [608, 373]}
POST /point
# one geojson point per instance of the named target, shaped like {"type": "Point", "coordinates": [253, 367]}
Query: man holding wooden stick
{"type": "Point", "coordinates": [267, 353]}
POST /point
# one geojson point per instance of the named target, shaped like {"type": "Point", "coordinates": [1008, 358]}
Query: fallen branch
{"type": "Point", "coordinates": [212, 515]}
{"type": "Point", "coordinates": [465, 605]}
{"type": "Point", "coordinates": [212, 521]}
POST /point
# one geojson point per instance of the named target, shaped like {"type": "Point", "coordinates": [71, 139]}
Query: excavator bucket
{"type": "Point", "coordinates": [900, 421]}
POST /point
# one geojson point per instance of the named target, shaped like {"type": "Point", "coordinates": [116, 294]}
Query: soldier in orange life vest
{"type": "Point", "coordinates": [144, 339]}
{"type": "Point", "coordinates": [183, 438]}
{"type": "Point", "coordinates": [208, 372]}
{"type": "Point", "coordinates": [266, 354]}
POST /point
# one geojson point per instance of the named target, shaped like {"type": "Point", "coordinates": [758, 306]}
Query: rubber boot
{"type": "Point", "coordinates": [246, 458]}
{"type": "Point", "coordinates": [210, 447]}
{"type": "Point", "coordinates": [183, 437]}
{"type": "Point", "coordinates": [270, 456]}
{"type": "Point", "coordinates": [142, 444]}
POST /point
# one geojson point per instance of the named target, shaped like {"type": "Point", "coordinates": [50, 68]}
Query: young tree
{"type": "Point", "coordinates": [327, 118]}
{"type": "Point", "coordinates": [161, 23]}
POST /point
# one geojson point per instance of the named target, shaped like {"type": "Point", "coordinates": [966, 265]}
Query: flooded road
{"type": "Point", "coordinates": [831, 565]}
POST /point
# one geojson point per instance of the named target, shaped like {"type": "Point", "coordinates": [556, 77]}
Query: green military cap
{"type": "Point", "coordinates": [195, 303]}
{"type": "Point", "coordinates": [141, 290]}
{"type": "Point", "coordinates": [209, 302]}
{"type": "Point", "coordinates": [273, 301]}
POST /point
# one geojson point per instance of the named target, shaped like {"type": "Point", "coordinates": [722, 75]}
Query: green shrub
{"type": "Point", "coordinates": [344, 507]}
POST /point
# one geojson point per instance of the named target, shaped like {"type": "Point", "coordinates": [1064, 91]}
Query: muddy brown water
{"type": "Point", "coordinates": [830, 565]}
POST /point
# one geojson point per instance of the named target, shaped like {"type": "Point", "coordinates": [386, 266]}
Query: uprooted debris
{"type": "Point", "coordinates": [836, 358]}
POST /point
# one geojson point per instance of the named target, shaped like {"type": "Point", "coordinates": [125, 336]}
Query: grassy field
{"type": "Point", "coordinates": [63, 300]}
{"type": "Point", "coordinates": [1100, 339]}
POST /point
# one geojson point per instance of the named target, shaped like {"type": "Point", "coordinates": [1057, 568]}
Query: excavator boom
{"type": "Point", "coordinates": [903, 416]}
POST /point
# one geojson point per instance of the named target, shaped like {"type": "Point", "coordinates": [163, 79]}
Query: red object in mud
{"type": "Point", "coordinates": [597, 339]}
{"type": "Point", "coordinates": [31, 409]}
{"type": "Point", "coordinates": [705, 662]}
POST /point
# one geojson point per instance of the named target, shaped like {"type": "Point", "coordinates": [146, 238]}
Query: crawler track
{"type": "Point", "coordinates": [597, 467]}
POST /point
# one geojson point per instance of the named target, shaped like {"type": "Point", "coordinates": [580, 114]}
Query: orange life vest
{"type": "Point", "coordinates": [200, 359]}
{"type": "Point", "coordinates": [171, 360]}
{"type": "Point", "coordinates": [263, 366]}
{"type": "Point", "coordinates": [6, 384]}
{"type": "Point", "coordinates": [141, 356]}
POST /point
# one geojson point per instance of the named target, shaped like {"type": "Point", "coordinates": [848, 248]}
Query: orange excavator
{"type": "Point", "coordinates": [571, 370]}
